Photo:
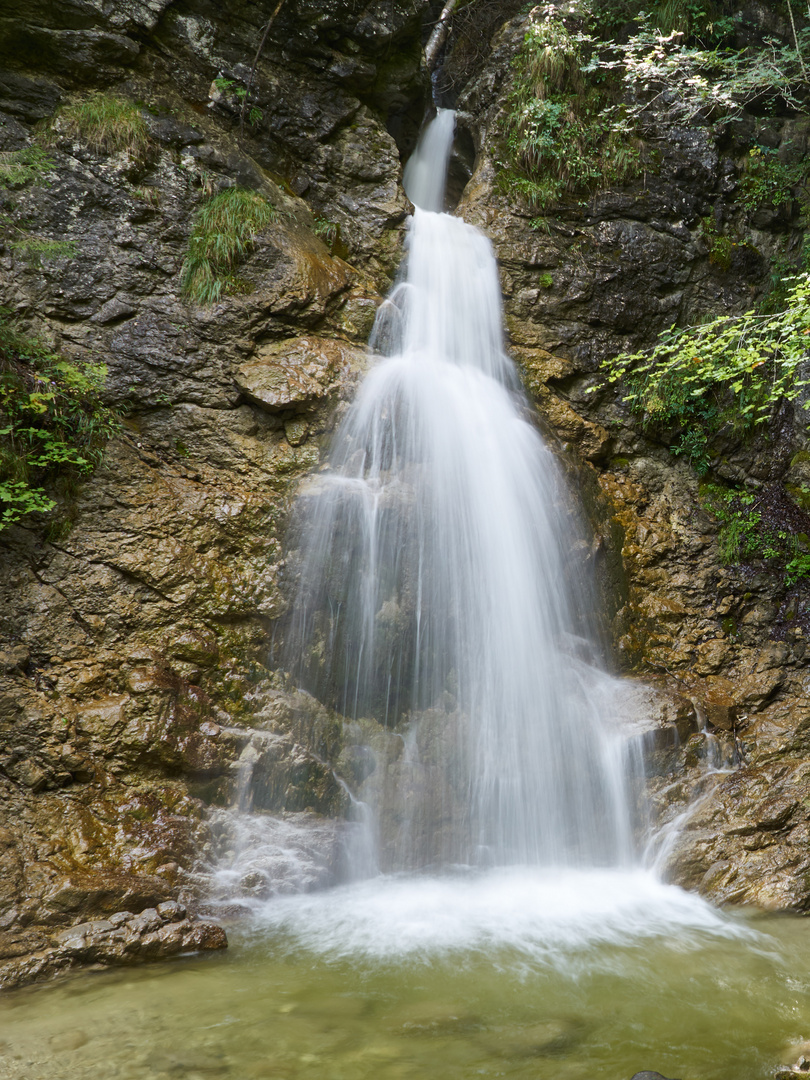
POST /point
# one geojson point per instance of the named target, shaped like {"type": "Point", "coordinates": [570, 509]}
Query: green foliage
{"type": "Point", "coordinates": [699, 20]}
{"type": "Point", "coordinates": [563, 134]}
{"type": "Point", "coordinates": [223, 231]}
{"type": "Point", "coordinates": [545, 280]}
{"type": "Point", "coordinates": [783, 271]}
{"type": "Point", "coordinates": [224, 85]}
{"type": "Point", "coordinates": [327, 230]}
{"type": "Point", "coordinates": [721, 247]}
{"type": "Point", "coordinates": [773, 75]}
{"type": "Point", "coordinates": [686, 78]}
{"type": "Point", "coordinates": [53, 424]}
{"type": "Point", "coordinates": [108, 124]}
{"type": "Point", "coordinates": [692, 18]}
{"type": "Point", "coordinates": [769, 181]}
{"type": "Point", "coordinates": [147, 194]}
{"type": "Point", "coordinates": [19, 167]}
{"type": "Point", "coordinates": [732, 370]}
{"type": "Point", "coordinates": [748, 532]}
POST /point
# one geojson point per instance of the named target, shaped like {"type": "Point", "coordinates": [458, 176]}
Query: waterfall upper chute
{"type": "Point", "coordinates": [424, 176]}
{"type": "Point", "coordinates": [442, 590]}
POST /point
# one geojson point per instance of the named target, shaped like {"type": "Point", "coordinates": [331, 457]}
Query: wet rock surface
{"type": "Point", "coordinates": [122, 938]}
{"type": "Point", "coordinates": [135, 634]}
{"type": "Point", "coordinates": [134, 640]}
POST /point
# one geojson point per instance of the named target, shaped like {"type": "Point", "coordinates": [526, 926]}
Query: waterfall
{"type": "Point", "coordinates": [443, 595]}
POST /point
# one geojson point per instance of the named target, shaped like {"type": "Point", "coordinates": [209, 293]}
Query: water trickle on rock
{"type": "Point", "coordinates": [442, 582]}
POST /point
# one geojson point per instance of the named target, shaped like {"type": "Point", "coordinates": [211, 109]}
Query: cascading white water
{"type": "Point", "coordinates": [442, 588]}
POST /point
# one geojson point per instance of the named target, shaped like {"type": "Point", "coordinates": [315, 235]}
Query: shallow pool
{"type": "Point", "coordinates": [506, 974]}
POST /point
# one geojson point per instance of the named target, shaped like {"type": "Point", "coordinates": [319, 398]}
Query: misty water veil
{"type": "Point", "coordinates": [443, 582]}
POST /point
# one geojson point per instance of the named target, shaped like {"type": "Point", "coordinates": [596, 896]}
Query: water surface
{"type": "Point", "coordinates": [505, 974]}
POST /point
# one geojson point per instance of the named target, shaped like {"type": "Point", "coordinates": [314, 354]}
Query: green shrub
{"type": "Point", "coordinates": [223, 231]}
{"type": "Point", "coordinates": [700, 19]}
{"type": "Point", "coordinates": [108, 124]}
{"type": "Point", "coordinates": [763, 526]}
{"type": "Point", "coordinates": [53, 424]}
{"type": "Point", "coordinates": [734, 370]}
{"type": "Point", "coordinates": [721, 247]}
{"type": "Point", "coordinates": [769, 181]}
{"type": "Point", "coordinates": [563, 135]}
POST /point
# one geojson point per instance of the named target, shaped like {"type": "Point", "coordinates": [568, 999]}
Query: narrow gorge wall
{"type": "Point", "coordinates": [136, 632]}
{"type": "Point", "coordinates": [603, 275]}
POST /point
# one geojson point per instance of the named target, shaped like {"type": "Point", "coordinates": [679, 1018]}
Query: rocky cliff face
{"type": "Point", "coordinates": [604, 276]}
{"type": "Point", "coordinates": [135, 641]}
{"type": "Point", "coordinates": [135, 658]}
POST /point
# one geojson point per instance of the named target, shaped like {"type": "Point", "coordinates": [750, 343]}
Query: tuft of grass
{"type": "Point", "coordinates": [108, 124]}
{"type": "Point", "coordinates": [223, 231]}
{"type": "Point", "coordinates": [328, 231]}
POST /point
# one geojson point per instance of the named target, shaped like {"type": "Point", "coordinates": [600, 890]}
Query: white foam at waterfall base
{"type": "Point", "coordinates": [513, 914]}
{"type": "Point", "coordinates": [259, 856]}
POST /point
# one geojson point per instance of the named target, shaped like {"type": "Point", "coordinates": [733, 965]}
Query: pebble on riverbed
{"type": "Point", "coordinates": [121, 938]}
{"type": "Point", "coordinates": [789, 1072]}
{"type": "Point", "coordinates": [648, 1074]}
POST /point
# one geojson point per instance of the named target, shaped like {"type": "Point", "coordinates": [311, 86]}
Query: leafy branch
{"type": "Point", "coordinates": [53, 423]}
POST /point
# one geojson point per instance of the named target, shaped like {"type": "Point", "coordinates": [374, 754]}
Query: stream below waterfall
{"type": "Point", "coordinates": [495, 918]}
{"type": "Point", "coordinates": [591, 974]}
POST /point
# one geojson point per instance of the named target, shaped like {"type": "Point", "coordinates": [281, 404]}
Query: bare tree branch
{"type": "Point", "coordinates": [270, 22]}
{"type": "Point", "coordinates": [439, 35]}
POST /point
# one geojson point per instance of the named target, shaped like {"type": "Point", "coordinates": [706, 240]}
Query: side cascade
{"type": "Point", "coordinates": [443, 595]}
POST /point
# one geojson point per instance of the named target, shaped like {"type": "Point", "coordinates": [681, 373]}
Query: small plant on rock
{"type": "Point", "coordinates": [108, 124]}
{"type": "Point", "coordinates": [224, 230]}
{"type": "Point", "coordinates": [769, 181]}
{"type": "Point", "coordinates": [20, 167]}
{"type": "Point", "coordinates": [327, 230]}
{"type": "Point", "coordinates": [53, 423]}
{"type": "Point", "coordinates": [36, 251]}
{"type": "Point", "coordinates": [763, 526]}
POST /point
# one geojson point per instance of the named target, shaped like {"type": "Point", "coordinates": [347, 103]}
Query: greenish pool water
{"type": "Point", "coordinates": [502, 975]}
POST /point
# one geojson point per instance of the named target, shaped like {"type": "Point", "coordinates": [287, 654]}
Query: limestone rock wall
{"type": "Point", "coordinates": [135, 653]}
{"type": "Point", "coordinates": [136, 634]}
{"type": "Point", "coordinates": [605, 275]}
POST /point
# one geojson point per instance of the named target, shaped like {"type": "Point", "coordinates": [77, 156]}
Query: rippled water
{"type": "Point", "coordinates": [504, 974]}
